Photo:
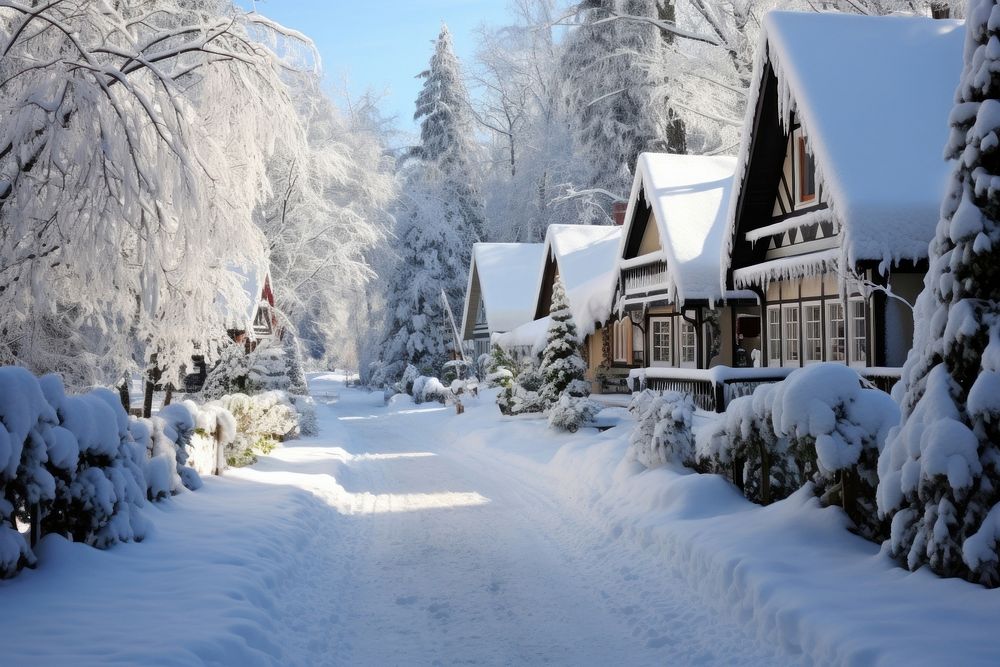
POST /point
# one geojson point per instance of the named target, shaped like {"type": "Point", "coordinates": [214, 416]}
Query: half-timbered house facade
{"type": "Point", "coordinates": [839, 183]}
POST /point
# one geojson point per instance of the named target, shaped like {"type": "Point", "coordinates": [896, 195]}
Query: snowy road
{"type": "Point", "coordinates": [399, 536]}
{"type": "Point", "coordinates": [440, 553]}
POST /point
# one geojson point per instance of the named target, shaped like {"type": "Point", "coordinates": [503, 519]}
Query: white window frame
{"type": "Point", "coordinates": [774, 345]}
{"type": "Point", "coordinates": [806, 358]}
{"type": "Point", "coordinates": [831, 354]}
{"type": "Point", "coordinates": [654, 322]}
{"type": "Point", "coordinates": [620, 344]}
{"type": "Point", "coordinates": [687, 329]}
{"type": "Point", "coordinates": [853, 338]}
{"type": "Point", "coordinates": [791, 353]}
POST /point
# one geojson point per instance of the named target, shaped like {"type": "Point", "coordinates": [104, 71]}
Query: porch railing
{"type": "Point", "coordinates": [644, 277]}
{"type": "Point", "coordinates": [712, 389]}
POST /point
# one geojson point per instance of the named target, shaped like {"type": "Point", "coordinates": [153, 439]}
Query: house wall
{"type": "Point", "coordinates": [899, 317]}
{"type": "Point", "coordinates": [650, 237]}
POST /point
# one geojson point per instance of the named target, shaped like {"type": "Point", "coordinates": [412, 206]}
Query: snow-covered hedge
{"type": "Point", "coordinates": [663, 430]}
{"type": "Point", "coordinates": [820, 425]}
{"type": "Point", "coordinates": [428, 390]}
{"type": "Point", "coordinates": [73, 456]}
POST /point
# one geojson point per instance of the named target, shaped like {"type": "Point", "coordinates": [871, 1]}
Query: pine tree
{"type": "Point", "coordinates": [562, 366]}
{"type": "Point", "coordinates": [439, 218]}
{"type": "Point", "coordinates": [267, 368]}
{"type": "Point", "coordinates": [293, 364]}
{"type": "Point", "coordinates": [614, 78]}
{"type": "Point", "coordinates": [940, 469]}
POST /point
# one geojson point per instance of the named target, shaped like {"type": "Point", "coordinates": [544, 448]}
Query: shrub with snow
{"type": "Point", "coordinates": [261, 422]}
{"type": "Point", "coordinates": [405, 384]}
{"type": "Point", "coordinates": [180, 423]}
{"type": "Point", "coordinates": [742, 444]}
{"type": "Point", "coordinates": [305, 406]}
{"type": "Point", "coordinates": [498, 368]}
{"type": "Point", "coordinates": [836, 429]}
{"type": "Point", "coordinates": [429, 389]}
{"type": "Point", "coordinates": [571, 412]}
{"type": "Point", "coordinates": [524, 393]}
{"type": "Point", "coordinates": [663, 428]}
{"type": "Point", "coordinates": [160, 469]}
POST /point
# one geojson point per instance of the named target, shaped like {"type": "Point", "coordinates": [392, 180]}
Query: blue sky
{"type": "Point", "coordinates": [384, 44]}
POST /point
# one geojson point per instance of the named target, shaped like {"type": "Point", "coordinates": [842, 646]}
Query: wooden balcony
{"type": "Point", "coordinates": [643, 277]}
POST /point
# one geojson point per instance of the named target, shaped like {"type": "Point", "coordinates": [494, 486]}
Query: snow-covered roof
{"type": "Point", "coordinates": [689, 197]}
{"type": "Point", "coordinates": [587, 257]}
{"type": "Point", "coordinates": [530, 334]}
{"type": "Point", "coordinates": [873, 95]}
{"type": "Point", "coordinates": [507, 273]}
{"type": "Point", "coordinates": [252, 278]}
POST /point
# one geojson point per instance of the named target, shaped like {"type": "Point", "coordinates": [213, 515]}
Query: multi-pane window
{"type": "Point", "coordinates": [790, 315]}
{"type": "Point", "coordinates": [812, 340]}
{"type": "Point", "coordinates": [688, 344]}
{"type": "Point", "coordinates": [660, 341]}
{"type": "Point", "coordinates": [773, 336]}
{"type": "Point", "coordinates": [836, 332]}
{"type": "Point", "coordinates": [859, 331]}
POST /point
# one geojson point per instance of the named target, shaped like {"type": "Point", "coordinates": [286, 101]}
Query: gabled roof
{"type": "Point", "coordinates": [689, 197]}
{"type": "Point", "coordinates": [873, 95]}
{"type": "Point", "coordinates": [587, 257]}
{"type": "Point", "coordinates": [254, 280]}
{"type": "Point", "coordinates": [507, 274]}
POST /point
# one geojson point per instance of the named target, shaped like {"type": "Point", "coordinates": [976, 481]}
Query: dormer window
{"type": "Point", "coordinates": [805, 172]}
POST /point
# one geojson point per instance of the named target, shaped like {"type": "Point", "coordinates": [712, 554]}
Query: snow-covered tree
{"type": "Point", "coordinates": [562, 366]}
{"type": "Point", "coordinates": [940, 471]}
{"type": "Point", "coordinates": [133, 138]}
{"type": "Point", "coordinates": [438, 219]}
{"type": "Point", "coordinates": [268, 368]}
{"type": "Point", "coordinates": [231, 375]}
{"type": "Point", "coordinates": [293, 364]}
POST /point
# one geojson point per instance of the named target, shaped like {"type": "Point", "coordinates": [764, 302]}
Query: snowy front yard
{"type": "Point", "coordinates": [409, 535]}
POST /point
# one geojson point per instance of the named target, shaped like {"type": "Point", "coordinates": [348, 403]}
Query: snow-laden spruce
{"type": "Point", "coordinates": [940, 472]}
{"type": "Point", "coordinates": [439, 217]}
{"type": "Point", "coordinates": [562, 366]}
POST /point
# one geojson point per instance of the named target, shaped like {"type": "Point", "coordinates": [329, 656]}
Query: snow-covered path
{"type": "Point", "coordinates": [441, 553]}
{"type": "Point", "coordinates": [398, 536]}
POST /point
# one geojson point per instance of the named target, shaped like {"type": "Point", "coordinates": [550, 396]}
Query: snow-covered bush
{"type": "Point", "coordinates": [305, 406]}
{"type": "Point", "coordinates": [457, 369]}
{"type": "Point", "coordinates": [523, 395]}
{"type": "Point", "coordinates": [742, 444]}
{"type": "Point", "coordinates": [836, 429]}
{"type": "Point", "coordinates": [571, 412]}
{"type": "Point", "coordinates": [562, 366]}
{"type": "Point", "coordinates": [405, 384]}
{"type": "Point", "coordinates": [262, 421]}
{"type": "Point", "coordinates": [293, 365]}
{"type": "Point", "coordinates": [231, 375]}
{"type": "Point", "coordinates": [160, 469]}
{"type": "Point", "coordinates": [214, 433]}
{"type": "Point", "coordinates": [267, 368]}
{"type": "Point", "coordinates": [663, 430]}
{"type": "Point", "coordinates": [180, 424]}
{"type": "Point", "coordinates": [429, 389]}
{"type": "Point", "coordinates": [26, 418]}
{"type": "Point", "coordinates": [109, 487]}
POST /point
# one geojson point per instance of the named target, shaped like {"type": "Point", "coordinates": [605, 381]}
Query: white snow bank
{"type": "Point", "coordinates": [689, 197]}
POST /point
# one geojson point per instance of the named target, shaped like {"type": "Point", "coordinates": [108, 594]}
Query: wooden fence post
{"type": "Point", "coordinates": [218, 450]}
{"type": "Point", "coordinates": [35, 531]}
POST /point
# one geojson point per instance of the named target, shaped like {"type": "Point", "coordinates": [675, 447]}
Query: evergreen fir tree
{"type": "Point", "coordinates": [230, 375]}
{"type": "Point", "coordinates": [562, 366]}
{"type": "Point", "coordinates": [267, 368]}
{"type": "Point", "coordinates": [293, 364]}
{"type": "Point", "coordinates": [439, 218]}
{"type": "Point", "coordinates": [940, 469]}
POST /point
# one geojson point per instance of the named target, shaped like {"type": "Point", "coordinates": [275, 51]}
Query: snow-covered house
{"type": "Point", "coordinates": [259, 322]}
{"type": "Point", "coordinates": [669, 301]}
{"type": "Point", "coordinates": [501, 291]}
{"type": "Point", "coordinates": [584, 257]}
{"type": "Point", "coordinates": [840, 182]}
